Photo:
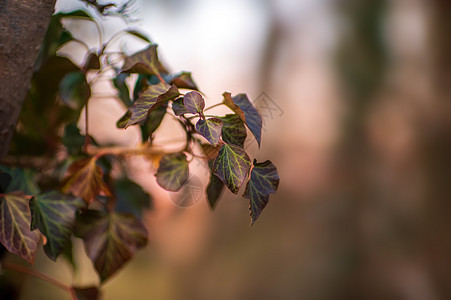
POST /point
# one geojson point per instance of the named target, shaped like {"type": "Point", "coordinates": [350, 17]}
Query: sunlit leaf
{"type": "Point", "coordinates": [232, 166]}
{"type": "Point", "coordinates": [15, 233]}
{"type": "Point", "coordinates": [86, 293]}
{"type": "Point", "coordinates": [210, 129]}
{"type": "Point", "coordinates": [130, 197]}
{"type": "Point", "coordinates": [264, 181]}
{"type": "Point", "coordinates": [214, 190]}
{"type": "Point", "coordinates": [173, 171]}
{"type": "Point", "coordinates": [194, 102]}
{"type": "Point", "coordinates": [74, 90]}
{"type": "Point", "coordinates": [233, 131]}
{"type": "Point", "coordinates": [153, 97]}
{"type": "Point", "coordinates": [54, 214]}
{"type": "Point", "coordinates": [241, 105]}
{"type": "Point", "coordinates": [110, 239]}
{"type": "Point", "coordinates": [143, 62]}
{"type": "Point", "coordinates": [85, 180]}
{"type": "Point", "coordinates": [120, 84]}
{"type": "Point", "coordinates": [178, 107]}
{"type": "Point", "coordinates": [184, 80]}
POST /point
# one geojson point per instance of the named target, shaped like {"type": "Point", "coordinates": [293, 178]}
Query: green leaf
{"type": "Point", "coordinates": [232, 166]}
{"type": "Point", "coordinates": [87, 293]}
{"type": "Point", "coordinates": [173, 171]}
{"type": "Point", "coordinates": [120, 84]}
{"type": "Point", "coordinates": [138, 34]}
{"type": "Point", "coordinates": [152, 122]}
{"type": "Point", "coordinates": [210, 129]}
{"type": "Point", "coordinates": [263, 182]}
{"type": "Point", "coordinates": [110, 239]}
{"type": "Point", "coordinates": [15, 233]}
{"type": "Point", "coordinates": [214, 190]}
{"type": "Point", "coordinates": [153, 97]}
{"type": "Point", "coordinates": [74, 90]}
{"type": "Point", "coordinates": [75, 14]}
{"type": "Point", "coordinates": [54, 214]}
{"type": "Point", "coordinates": [143, 62]}
{"type": "Point", "coordinates": [194, 102]}
{"type": "Point", "coordinates": [233, 131]}
{"type": "Point", "coordinates": [85, 180]}
{"type": "Point", "coordinates": [178, 107]}
{"type": "Point", "coordinates": [5, 180]}
{"type": "Point", "coordinates": [72, 139]}
{"type": "Point", "coordinates": [55, 36]}
{"type": "Point", "coordinates": [183, 80]}
{"type": "Point", "coordinates": [241, 105]}
{"type": "Point", "coordinates": [130, 197]}
{"type": "Point", "coordinates": [21, 180]}
{"type": "Point", "coordinates": [123, 121]}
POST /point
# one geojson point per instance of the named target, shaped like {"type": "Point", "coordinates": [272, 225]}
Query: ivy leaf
{"type": "Point", "coordinates": [54, 214]}
{"type": "Point", "coordinates": [241, 105]}
{"type": "Point", "coordinates": [232, 166]}
{"type": "Point", "coordinates": [130, 197]}
{"type": "Point", "coordinates": [173, 171]}
{"type": "Point", "coordinates": [152, 122]}
{"type": "Point", "coordinates": [20, 180]}
{"type": "Point", "coordinates": [138, 34]}
{"type": "Point", "coordinates": [178, 107]}
{"type": "Point", "coordinates": [210, 152]}
{"type": "Point", "coordinates": [143, 62]}
{"type": "Point", "coordinates": [184, 80]}
{"type": "Point", "coordinates": [210, 129]}
{"type": "Point", "coordinates": [214, 190]}
{"type": "Point", "coordinates": [123, 121]}
{"type": "Point", "coordinates": [15, 233]}
{"type": "Point", "coordinates": [233, 131]}
{"type": "Point", "coordinates": [110, 239]}
{"type": "Point", "coordinates": [72, 139]}
{"type": "Point", "coordinates": [85, 180]}
{"type": "Point", "coordinates": [263, 182]}
{"type": "Point", "coordinates": [74, 90]}
{"type": "Point", "coordinates": [120, 84]}
{"type": "Point", "coordinates": [194, 102]}
{"type": "Point", "coordinates": [88, 293]}
{"type": "Point", "coordinates": [153, 97]}
{"type": "Point", "coordinates": [5, 180]}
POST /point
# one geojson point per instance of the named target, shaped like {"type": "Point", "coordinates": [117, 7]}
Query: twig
{"type": "Point", "coordinates": [18, 268]}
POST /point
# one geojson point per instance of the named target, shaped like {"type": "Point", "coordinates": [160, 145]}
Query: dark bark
{"type": "Point", "coordinates": [23, 24]}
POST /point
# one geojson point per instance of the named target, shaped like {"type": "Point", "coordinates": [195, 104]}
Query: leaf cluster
{"type": "Point", "coordinates": [78, 195]}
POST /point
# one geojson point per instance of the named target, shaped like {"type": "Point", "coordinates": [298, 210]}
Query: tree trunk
{"type": "Point", "coordinates": [23, 24]}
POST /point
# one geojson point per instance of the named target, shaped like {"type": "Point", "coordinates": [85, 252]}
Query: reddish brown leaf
{"type": "Point", "coordinates": [85, 180]}
{"type": "Point", "coordinates": [110, 239]}
{"type": "Point", "coordinates": [15, 219]}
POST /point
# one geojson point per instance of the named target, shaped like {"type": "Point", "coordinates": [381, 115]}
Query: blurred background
{"type": "Point", "coordinates": [355, 98]}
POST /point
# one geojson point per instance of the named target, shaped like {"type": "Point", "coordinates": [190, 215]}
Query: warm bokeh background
{"type": "Point", "coordinates": [355, 97]}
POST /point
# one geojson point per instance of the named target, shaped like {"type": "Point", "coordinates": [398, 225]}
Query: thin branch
{"type": "Point", "coordinates": [160, 78]}
{"type": "Point", "coordinates": [213, 106]}
{"type": "Point", "coordinates": [21, 269]}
